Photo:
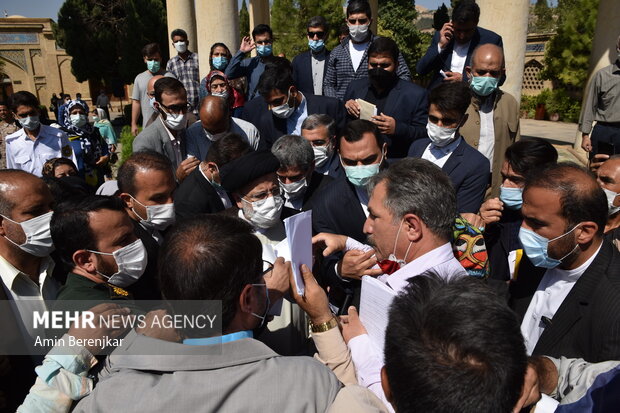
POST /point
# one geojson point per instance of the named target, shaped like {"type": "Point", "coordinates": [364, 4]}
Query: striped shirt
{"type": "Point", "coordinates": [187, 72]}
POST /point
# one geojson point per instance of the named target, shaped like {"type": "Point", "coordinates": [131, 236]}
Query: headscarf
{"type": "Point", "coordinates": [102, 115]}
{"type": "Point", "coordinates": [74, 130]}
{"type": "Point", "coordinates": [205, 84]}
{"type": "Point", "coordinates": [89, 136]}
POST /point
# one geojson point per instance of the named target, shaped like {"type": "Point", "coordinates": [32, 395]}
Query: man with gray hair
{"type": "Point", "coordinates": [320, 130]}
{"type": "Point", "coordinates": [298, 180]}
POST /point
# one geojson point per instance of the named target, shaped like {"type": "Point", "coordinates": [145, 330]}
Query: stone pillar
{"type": "Point", "coordinates": [259, 14]}
{"type": "Point", "coordinates": [180, 15]}
{"type": "Point", "coordinates": [603, 45]}
{"type": "Point", "coordinates": [218, 21]}
{"type": "Point", "coordinates": [508, 18]}
{"type": "Point", "coordinates": [374, 7]}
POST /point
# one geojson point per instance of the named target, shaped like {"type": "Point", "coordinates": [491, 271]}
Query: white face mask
{"type": "Point", "coordinates": [611, 197]}
{"type": "Point", "coordinates": [78, 120]}
{"type": "Point", "coordinates": [322, 154]}
{"type": "Point", "coordinates": [295, 190]}
{"type": "Point", "coordinates": [181, 47]}
{"type": "Point", "coordinates": [158, 217]}
{"type": "Point", "coordinates": [175, 121]}
{"type": "Point", "coordinates": [264, 213]}
{"type": "Point", "coordinates": [30, 122]}
{"type": "Point", "coordinates": [223, 94]}
{"type": "Point", "coordinates": [439, 135]}
{"type": "Point", "coordinates": [358, 32]}
{"type": "Point", "coordinates": [284, 110]}
{"type": "Point", "coordinates": [214, 137]}
{"type": "Point", "coordinates": [38, 236]}
{"type": "Point", "coordinates": [131, 261]}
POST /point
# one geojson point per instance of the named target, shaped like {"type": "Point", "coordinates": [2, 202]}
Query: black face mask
{"type": "Point", "coordinates": [381, 78]}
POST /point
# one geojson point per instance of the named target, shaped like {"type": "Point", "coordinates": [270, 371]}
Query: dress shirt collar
{"type": "Point", "coordinates": [226, 338]}
{"type": "Point", "coordinates": [8, 273]}
{"type": "Point", "coordinates": [439, 255]}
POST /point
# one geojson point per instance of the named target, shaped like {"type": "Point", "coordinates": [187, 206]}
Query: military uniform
{"type": "Point", "coordinates": [90, 293]}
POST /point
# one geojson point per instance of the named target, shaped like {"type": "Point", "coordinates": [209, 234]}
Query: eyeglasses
{"type": "Point", "coordinates": [318, 34]}
{"type": "Point", "coordinates": [493, 73]}
{"type": "Point", "coordinates": [357, 21]}
{"type": "Point", "coordinates": [383, 65]}
{"type": "Point", "coordinates": [182, 108]}
{"type": "Point", "coordinates": [262, 196]}
{"type": "Point", "coordinates": [268, 269]}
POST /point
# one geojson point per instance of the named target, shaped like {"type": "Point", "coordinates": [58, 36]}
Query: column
{"type": "Point", "coordinates": [374, 7]}
{"type": "Point", "coordinates": [508, 18]}
{"type": "Point", "coordinates": [180, 15]}
{"type": "Point", "coordinates": [218, 22]}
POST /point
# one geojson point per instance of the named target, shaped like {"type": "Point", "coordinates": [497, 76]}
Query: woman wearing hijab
{"type": "Point", "coordinates": [219, 57]}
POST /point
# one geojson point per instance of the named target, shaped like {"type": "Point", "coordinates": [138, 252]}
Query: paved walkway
{"type": "Point", "coordinates": [561, 134]}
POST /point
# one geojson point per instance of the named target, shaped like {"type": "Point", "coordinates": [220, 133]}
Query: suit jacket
{"type": "Point", "coordinates": [271, 127]}
{"type": "Point", "coordinates": [196, 196]}
{"type": "Point", "coordinates": [587, 323]}
{"type": "Point", "coordinates": [302, 71]}
{"type": "Point", "coordinates": [334, 167]}
{"type": "Point", "coordinates": [407, 103]}
{"type": "Point", "coordinates": [468, 170]}
{"type": "Point", "coordinates": [147, 287]}
{"type": "Point", "coordinates": [433, 61]}
{"type": "Point", "coordinates": [155, 138]}
{"type": "Point", "coordinates": [237, 372]}
{"type": "Point", "coordinates": [315, 186]}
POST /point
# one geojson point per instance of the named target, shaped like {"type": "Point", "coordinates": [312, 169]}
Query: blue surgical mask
{"type": "Point", "coordinates": [220, 62]}
{"type": "Point", "coordinates": [316, 45]}
{"type": "Point", "coordinates": [264, 50]}
{"type": "Point", "coordinates": [153, 66]}
{"type": "Point", "coordinates": [483, 85]}
{"type": "Point", "coordinates": [536, 248]}
{"type": "Point", "coordinates": [511, 197]}
{"type": "Point", "coordinates": [359, 175]}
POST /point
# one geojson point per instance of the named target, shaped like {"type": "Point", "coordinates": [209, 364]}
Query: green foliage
{"type": "Point", "coordinates": [543, 17]}
{"type": "Point", "coordinates": [555, 101]}
{"type": "Point", "coordinates": [244, 21]}
{"type": "Point", "coordinates": [105, 37]}
{"type": "Point", "coordinates": [396, 21]}
{"type": "Point", "coordinates": [126, 143]}
{"type": "Point", "coordinates": [440, 17]}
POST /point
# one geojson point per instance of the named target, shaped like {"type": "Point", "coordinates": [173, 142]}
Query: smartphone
{"type": "Point", "coordinates": [606, 148]}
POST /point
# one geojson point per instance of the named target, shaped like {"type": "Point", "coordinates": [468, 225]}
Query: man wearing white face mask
{"type": "Point", "coordinates": [320, 131]}
{"type": "Point", "coordinates": [608, 177]}
{"type": "Point", "coordinates": [467, 168]}
{"type": "Point", "coordinates": [184, 66]}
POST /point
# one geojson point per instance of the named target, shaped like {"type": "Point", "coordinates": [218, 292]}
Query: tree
{"type": "Point", "coordinates": [396, 19]}
{"type": "Point", "coordinates": [244, 21]}
{"type": "Point", "coordinates": [543, 16]}
{"type": "Point", "coordinates": [440, 17]}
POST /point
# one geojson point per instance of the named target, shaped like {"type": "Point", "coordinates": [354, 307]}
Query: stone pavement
{"type": "Point", "coordinates": [560, 134]}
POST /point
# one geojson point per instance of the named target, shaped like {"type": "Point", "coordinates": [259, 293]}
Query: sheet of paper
{"type": "Point", "coordinates": [367, 110]}
{"type": "Point", "coordinates": [375, 301]}
{"type": "Point", "coordinates": [299, 235]}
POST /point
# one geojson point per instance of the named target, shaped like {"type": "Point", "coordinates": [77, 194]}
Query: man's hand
{"type": "Point", "coordinates": [353, 108]}
{"type": "Point", "coordinates": [351, 325]}
{"type": "Point", "coordinates": [105, 311]}
{"type": "Point", "coordinates": [332, 242]}
{"type": "Point", "coordinates": [386, 124]}
{"type": "Point", "coordinates": [597, 161]}
{"type": "Point", "coordinates": [357, 263]}
{"type": "Point", "coordinates": [134, 129]}
{"type": "Point", "coordinates": [453, 77]}
{"type": "Point", "coordinates": [186, 167]}
{"type": "Point", "coordinates": [491, 211]}
{"type": "Point", "coordinates": [157, 330]}
{"type": "Point", "coordinates": [247, 44]}
{"type": "Point", "coordinates": [473, 219]}
{"type": "Point", "coordinates": [277, 279]}
{"type": "Point", "coordinates": [445, 34]}
{"type": "Point", "coordinates": [314, 301]}
{"type": "Point", "coordinates": [586, 143]}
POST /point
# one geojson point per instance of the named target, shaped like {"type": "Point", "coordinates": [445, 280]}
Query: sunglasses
{"type": "Point", "coordinates": [320, 35]}
{"type": "Point", "coordinates": [357, 21]}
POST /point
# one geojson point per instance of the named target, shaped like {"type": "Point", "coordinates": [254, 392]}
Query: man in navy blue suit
{"type": "Point", "coordinates": [309, 67]}
{"type": "Point", "coordinates": [452, 47]}
{"type": "Point", "coordinates": [467, 168]}
{"type": "Point", "coordinates": [402, 107]}
{"type": "Point", "coordinates": [320, 131]}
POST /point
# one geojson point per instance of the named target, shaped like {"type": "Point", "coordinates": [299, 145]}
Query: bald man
{"type": "Point", "coordinates": [493, 116]}
{"type": "Point", "coordinates": [215, 122]}
{"type": "Point", "coordinates": [150, 92]}
{"type": "Point", "coordinates": [571, 307]}
{"type": "Point", "coordinates": [608, 177]}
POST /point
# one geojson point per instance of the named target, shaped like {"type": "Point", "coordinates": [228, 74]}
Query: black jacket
{"type": "Point", "coordinates": [196, 196]}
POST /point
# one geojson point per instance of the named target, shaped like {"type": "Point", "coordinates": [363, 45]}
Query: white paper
{"type": "Point", "coordinates": [299, 236]}
{"type": "Point", "coordinates": [367, 109]}
{"type": "Point", "coordinates": [375, 301]}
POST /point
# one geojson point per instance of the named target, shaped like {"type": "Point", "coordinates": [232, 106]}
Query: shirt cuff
{"type": "Point", "coordinates": [74, 359]}
{"type": "Point", "coordinates": [366, 359]}
{"type": "Point", "coordinates": [546, 405]}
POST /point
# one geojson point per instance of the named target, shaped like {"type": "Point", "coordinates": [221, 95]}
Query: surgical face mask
{"type": "Point", "coordinates": [158, 217]}
{"type": "Point", "coordinates": [359, 175]}
{"type": "Point", "coordinates": [95, 118]}
{"type": "Point", "coordinates": [220, 62]}
{"type": "Point", "coordinates": [536, 248]}
{"type": "Point", "coordinates": [511, 197]}
{"type": "Point", "coordinates": [38, 236]}
{"type": "Point", "coordinates": [316, 45]}
{"type": "Point", "coordinates": [214, 137]}
{"type": "Point", "coordinates": [611, 197]}
{"type": "Point", "coordinates": [264, 50]}
{"type": "Point", "coordinates": [321, 154]}
{"type": "Point", "coordinates": [212, 181]}
{"type": "Point", "coordinates": [393, 264]}
{"type": "Point", "coordinates": [263, 318]}
{"type": "Point", "coordinates": [181, 47]}
{"type": "Point", "coordinates": [439, 135]}
{"type": "Point", "coordinates": [78, 120]}
{"type": "Point", "coordinates": [295, 190]}
{"type": "Point", "coordinates": [152, 102]}
{"type": "Point", "coordinates": [153, 66]}
{"type": "Point", "coordinates": [284, 110]}
{"type": "Point", "coordinates": [30, 122]}
{"type": "Point", "coordinates": [265, 213]}
{"type": "Point", "coordinates": [175, 121]}
{"type": "Point", "coordinates": [358, 32]}
{"type": "Point", "coordinates": [483, 85]}
{"type": "Point", "coordinates": [223, 94]}
{"type": "Point", "coordinates": [131, 261]}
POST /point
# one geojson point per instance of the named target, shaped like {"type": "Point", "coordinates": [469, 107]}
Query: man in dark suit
{"type": "Point", "coordinates": [300, 184]}
{"type": "Point", "coordinates": [202, 192]}
{"type": "Point", "coordinates": [452, 47]}
{"type": "Point", "coordinates": [320, 131]}
{"type": "Point", "coordinates": [467, 168]}
{"type": "Point", "coordinates": [573, 310]}
{"type": "Point", "coordinates": [281, 108]}
{"type": "Point", "coordinates": [401, 106]}
{"type": "Point", "coordinates": [309, 67]}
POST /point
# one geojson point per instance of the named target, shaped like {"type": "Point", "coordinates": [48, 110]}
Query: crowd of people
{"type": "Point", "coordinates": [502, 261]}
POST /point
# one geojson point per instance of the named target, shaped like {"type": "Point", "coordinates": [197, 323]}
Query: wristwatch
{"type": "Point", "coordinates": [320, 328]}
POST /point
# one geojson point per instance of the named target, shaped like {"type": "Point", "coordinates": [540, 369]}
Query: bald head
{"type": "Point", "coordinates": [15, 185]}
{"type": "Point", "coordinates": [608, 174]}
{"type": "Point", "coordinates": [150, 86]}
{"type": "Point", "coordinates": [215, 114]}
{"type": "Point", "coordinates": [488, 54]}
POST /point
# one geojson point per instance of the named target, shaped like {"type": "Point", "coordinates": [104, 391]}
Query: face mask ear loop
{"type": "Point", "coordinates": [396, 238]}
{"type": "Point", "coordinates": [134, 211]}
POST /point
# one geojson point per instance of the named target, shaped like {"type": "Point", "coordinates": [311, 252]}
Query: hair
{"type": "Point", "coordinates": [529, 155]}
{"type": "Point", "coordinates": [23, 98]}
{"type": "Point", "coordinates": [68, 187]}
{"type": "Point", "coordinates": [3, 103]}
{"type": "Point", "coordinates": [317, 120]}
{"type": "Point", "coordinates": [201, 260]}
{"type": "Point", "coordinates": [417, 186]}
{"type": "Point", "coordinates": [151, 49]}
{"type": "Point", "coordinates": [216, 45]}
{"type": "Point", "coordinates": [168, 85]}
{"type": "Point", "coordinates": [384, 45]}
{"type": "Point", "coordinates": [580, 199]}
{"type": "Point", "coordinates": [359, 6]}
{"type": "Point", "coordinates": [178, 32]}
{"type": "Point", "coordinates": [8, 179]}
{"type": "Point", "coordinates": [454, 334]}
{"type": "Point", "coordinates": [451, 97]}
{"type": "Point", "coordinates": [318, 21]}
{"type": "Point", "coordinates": [262, 29]}
{"type": "Point", "coordinates": [139, 161]}
{"type": "Point", "coordinates": [70, 223]}
{"type": "Point", "coordinates": [355, 130]}
{"type": "Point", "coordinates": [49, 167]}
{"type": "Point", "coordinates": [293, 151]}
{"type": "Point", "coordinates": [275, 77]}
{"type": "Point", "coordinates": [230, 147]}
{"type": "Point", "coordinates": [466, 11]}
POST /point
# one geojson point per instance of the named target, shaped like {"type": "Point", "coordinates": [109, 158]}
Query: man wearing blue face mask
{"type": "Point", "coordinates": [573, 310]}
{"type": "Point", "coordinates": [309, 68]}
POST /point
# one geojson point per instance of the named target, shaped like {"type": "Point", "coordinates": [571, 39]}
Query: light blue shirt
{"type": "Point", "coordinates": [293, 123]}
{"type": "Point", "coordinates": [227, 338]}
